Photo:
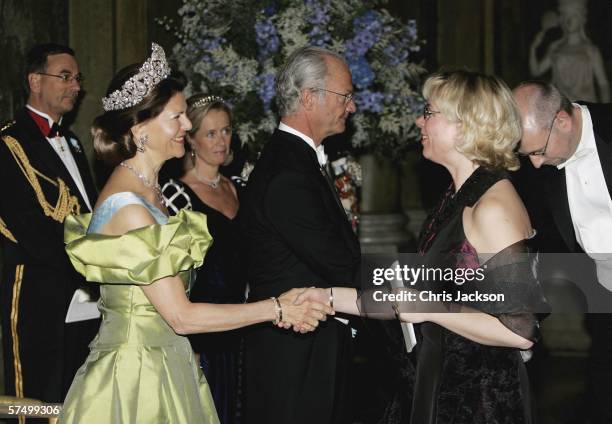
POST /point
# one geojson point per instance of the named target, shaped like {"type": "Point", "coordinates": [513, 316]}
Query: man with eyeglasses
{"type": "Point", "coordinates": [44, 168]}
{"type": "Point", "coordinates": [575, 140]}
{"type": "Point", "coordinates": [298, 235]}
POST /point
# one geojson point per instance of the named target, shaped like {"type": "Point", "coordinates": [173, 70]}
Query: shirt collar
{"type": "Point", "coordinates": [44, 115]}
{"type": "Point", "coordinates": [586, 145]}
{"type": "Point", "coordinates": [319, 150]}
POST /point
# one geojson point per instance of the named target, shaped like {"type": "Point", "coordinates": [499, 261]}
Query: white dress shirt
{"type": "Point", "coordinates": [319, 150]}
{"type": "Point", "coordinates": [60, 145]}
{"type": "Point", "coordinates": [589, 201]}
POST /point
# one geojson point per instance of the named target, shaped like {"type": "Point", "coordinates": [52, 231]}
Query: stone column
{"type": "Point", "coordinates": [381, 228]}
{"type": "Point", "coordinates": [92, 37]}
{"type": "Point", "coordinates": [106, 36]}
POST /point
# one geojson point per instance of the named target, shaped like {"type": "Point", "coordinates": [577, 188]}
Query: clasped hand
{"type": "Point", "coordinates": [302, 313]}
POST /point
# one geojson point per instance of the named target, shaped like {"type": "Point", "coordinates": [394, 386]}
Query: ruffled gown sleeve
{"type": "Point", "coordinates": [140, 256]}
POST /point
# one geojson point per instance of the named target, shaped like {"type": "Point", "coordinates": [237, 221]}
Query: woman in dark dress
{"type": "Point", "coordinates": [470, 352]}
{"type": "Point", "coordinates": [204, 189]}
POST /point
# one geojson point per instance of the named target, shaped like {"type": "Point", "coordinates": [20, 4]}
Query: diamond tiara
{"type": "Point", "coordinates": [135, 89]}
{"type": "Point", "coordinates": [208, 99]}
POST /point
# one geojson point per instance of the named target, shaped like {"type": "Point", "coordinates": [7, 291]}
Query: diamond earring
{"type": "Point", "coordinates": [141, 143]}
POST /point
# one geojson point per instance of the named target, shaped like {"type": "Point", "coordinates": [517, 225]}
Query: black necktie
{"type": "Point", "coordinates": [56, 130]}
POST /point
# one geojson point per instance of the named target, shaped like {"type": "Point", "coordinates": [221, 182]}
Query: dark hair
{"type": "Point", "coordinates": [112, 138]}
{"type": "Point", "coordinates": [36, 58]}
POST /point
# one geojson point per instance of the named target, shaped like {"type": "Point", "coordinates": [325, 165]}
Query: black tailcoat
{"type": "Point", "coordinates": [599, 326]}
{"type": "Point", "coordinates": [601, 116]}
{"type": "Point", "coordinates": [297, 235]}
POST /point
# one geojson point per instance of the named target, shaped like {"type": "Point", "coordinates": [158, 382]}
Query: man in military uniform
{"type": "Point", "coordinates": [46, 175]}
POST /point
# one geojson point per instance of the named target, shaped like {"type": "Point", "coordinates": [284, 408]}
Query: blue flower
{"type": "Point", "coordinates": [354, 49]}
{"type": "Point", "coordinates": [319, 11]}
{"type": "Point", "coordinates": [266, 36]}
{"type": "Point", "coordinates": [396, 54]}
{"type": "Point", "coordinates": [368, 31]}
{"type": "Point", "coordinates": [269, 11]}
{"type": "Point", "coordinates": [362, 72]}
{"type": "Point", "coordinates": [411, 30]}
{"type": "Point", "coordinates": [266, 89]}
{"type": "Point", "coordinates": [319, 19]}
{"type": "Point", "coordinates": [369, 101]}
{"type": "Point", "coordinates": [319, 37]}
{"type": "Point", "coordinates": [217, 74]}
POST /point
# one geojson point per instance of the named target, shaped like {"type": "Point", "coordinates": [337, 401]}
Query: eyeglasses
{"type": "Point", "coordinates": [428, 112]}
{"type": "Point", "coordinates": [67, 78]}
{"type": "Point", "coordinates": [347, 97]}
{"type": "Point", "coordinates": [542, 151]}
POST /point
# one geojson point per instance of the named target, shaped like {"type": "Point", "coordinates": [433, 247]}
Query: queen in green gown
{"type": "Point", "coordinates": [139, 370]}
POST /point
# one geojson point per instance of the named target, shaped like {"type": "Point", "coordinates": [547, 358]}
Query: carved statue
{"type": "Point", "coordinates": [575, 62]}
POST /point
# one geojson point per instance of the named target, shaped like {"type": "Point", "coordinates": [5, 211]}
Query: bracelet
{"type": "Point", "coordinates": [278, 310]}
{"type": "Point", "coordinates": [331, 297]}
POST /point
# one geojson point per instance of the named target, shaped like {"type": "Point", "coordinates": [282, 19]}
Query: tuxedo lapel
{"type": "Point", "coordinates": [604, 150]}
{"type": "Point", "coordinates": [559, 205]}
{"type": "Point", "coordinates": [602, 128]}
{"type": "Point", "coordinates": [329, 182]}
{"type": "Point", "coordinates": [309, 158]}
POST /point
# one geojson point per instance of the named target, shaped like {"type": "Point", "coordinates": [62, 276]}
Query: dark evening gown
{"type": "Point", "coordinates": [458, 381]}
{"type": "Point", "coordinates": [219, 280]}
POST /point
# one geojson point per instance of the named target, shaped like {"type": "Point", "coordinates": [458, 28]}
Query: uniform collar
{"type": "Point", "coordinates": [42, 120]}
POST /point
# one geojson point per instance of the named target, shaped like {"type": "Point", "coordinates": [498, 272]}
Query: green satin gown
{"type": "Point", "coordinates": [139, 370]}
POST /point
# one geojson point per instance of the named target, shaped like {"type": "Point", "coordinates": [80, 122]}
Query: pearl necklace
{"type": "Point", "coordinates": [155, 187]}
{"type": "Point", "coordinates": [214, 183]}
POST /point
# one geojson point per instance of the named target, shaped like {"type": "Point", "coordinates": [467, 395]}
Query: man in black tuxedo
{"type": "Point", "coordinates": [298, 235]}
{"type": "Point", "coordinates": [46, 173]}
{"type": "Point", "coordinates": [575, 140]}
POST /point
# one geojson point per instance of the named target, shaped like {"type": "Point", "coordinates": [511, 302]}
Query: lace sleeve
{"type": "Point", "coordinates": [512, 274]}
{"type": "Point", "coordinates": [370, 303]}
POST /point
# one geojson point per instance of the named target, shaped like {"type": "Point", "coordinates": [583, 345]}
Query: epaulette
{"type": "Point", "coordinates": [6, 126]}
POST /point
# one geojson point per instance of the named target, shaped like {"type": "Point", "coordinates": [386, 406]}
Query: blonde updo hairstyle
{"type": "Point", "coordinates": [490, 121]}
{"type": "Point", "coordinates": [198, 106]}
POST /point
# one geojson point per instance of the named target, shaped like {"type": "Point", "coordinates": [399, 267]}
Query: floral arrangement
{"type": "Point", "coordinates": [233, 49]}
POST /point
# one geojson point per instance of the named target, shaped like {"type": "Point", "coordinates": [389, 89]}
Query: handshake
{"type": "Point", "coordinates": [302, 309]}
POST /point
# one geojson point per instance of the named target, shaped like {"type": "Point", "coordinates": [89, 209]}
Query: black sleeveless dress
{"type": "Point", "coordinates": [219, 280]}
{"type": "Point", "coordinates": [457, 380]}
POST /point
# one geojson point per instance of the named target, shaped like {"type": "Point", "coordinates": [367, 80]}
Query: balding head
{"type": "Point", "coordinates": [539, 102]}
{"type": "Point", "coordinates": [551, 129]}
